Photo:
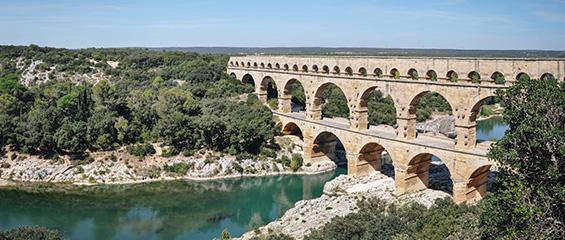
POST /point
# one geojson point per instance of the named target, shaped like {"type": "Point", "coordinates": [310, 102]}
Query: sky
{"type": "Point", "coordinates": [443, 24]}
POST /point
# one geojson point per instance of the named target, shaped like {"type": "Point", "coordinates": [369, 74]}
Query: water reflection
{"type": "Point", "coordinates": [491, 129]}
{"type": "Point", "coordinates": [170, 210]}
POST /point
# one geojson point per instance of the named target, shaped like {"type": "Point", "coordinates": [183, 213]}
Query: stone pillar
{"type": "Point", "coordinates": [285, 104]}
{"type": "Point", "coordinates": [308, 146]}
{"type": "Point", "coordinates": [466, 136]}
{"type": "Point", "coordinates": [358, 120]}
{"type": "Point", "coordinates": [358, 166]}
{"type": "Point", "coordinates": [471, 190]}
{"type": "Point", "coordinates": [406, 127]}
{"type": "Point", "coordinates": [459, 191]}
{"type": "Point", "coordinates": [262, 97]}
{"type": "Point", "coordinates": [412, 178]}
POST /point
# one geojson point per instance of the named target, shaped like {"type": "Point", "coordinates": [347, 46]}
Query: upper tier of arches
{"type": "Point", "coordinates": [454, 72]}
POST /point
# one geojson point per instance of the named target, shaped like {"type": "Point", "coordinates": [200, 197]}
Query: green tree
{"type": "Point", "coordinates": [529, 193]}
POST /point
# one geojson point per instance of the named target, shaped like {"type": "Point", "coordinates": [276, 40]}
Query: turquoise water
{"type": "Point", "coordinates": [491, 129]}
{"type": "Point", "coordinates": [167, 210]}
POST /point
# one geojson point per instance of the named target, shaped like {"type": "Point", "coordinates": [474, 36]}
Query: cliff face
{"type": "Point", "coordinates": [442, 124]}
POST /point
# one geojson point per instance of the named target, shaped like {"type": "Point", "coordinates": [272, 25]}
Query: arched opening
{"type": "Point", "coordinates": [332, 102]}
{"type": "Point", "coordinates": [277, 66]}
{"type": "Point", "coordinates": [475, 77]}
{"type": "Point", "coordinates": [379, 109]}
{"type": "Point", "coordinates": [286, 68]}
{"type": "Point", "coordinates": [269, 87]}
{"type": "Point", "coordinates": [374, 158]}
{"type": "Point", "coordinates": [452, 76]}
{"type": "Point", "coordinates": [431, 172]}
{"type": "Point", "coordinates": [413, 74]}
{"type": "Point", "coordinates": [548, 77]}
{"type": "Point", "coordinates": [237, 64]}
{"type": "Point", "coordinates": [326, 69]}
{"type": "Point", "coordinates": [231, 63]}
{"type": "Point", "coordinates": [292, 129]}
{"type": "Point", "coordinates": [248, 64]}
{"type": "Point", "coordinates": [433, 113]}
{"type": "Point", "coordinates": [327, 146]}
{"type": "Point", "coordinates": [262, 65]}
{"type": "Point", "coordinates": [491, 127]}
{"type": "Point", "coordinates": [522, 76]}
{"type": "Point", "coordinates": [349, 71]}
{"type": "Point", "coordinates": [294, 91]}
{"type": "Point", "coordinates": [498, 78]}
{"type": "Point", "coordinates": [255, 65]}
{"type": "Point", "coordinates": [315, 68]}
{"type": "Point", "coordinates": [394, 73]}
{"type": "Point", "coordinates": [305, 68]}
{"type": "Point", "coordinates": [295, 68]}
{"type": "Point", "coordinates": [362, 72]}
{"type": "Point", "coordinates": [477, 184]}
{"type": "Point", "coordinates": [378, 72]}
{"type": "Point", "coordinates": [248, 79]}
{"type": "Point", "coordinates": [336, 70]}
{"type": "Point", "coordinates": [269, 66]}
{"type": "Point", "coordinates": [432, 75]}
{"type": "Point", "coordinates": [242, 64]}
{"type": "Point", "coordinates": [233, 75]}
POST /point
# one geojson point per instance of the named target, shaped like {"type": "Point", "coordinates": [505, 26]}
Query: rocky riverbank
{"type": "Point", "coordinates": [340, 198]}
{"type": "Point", "coordinates": [118, 167]}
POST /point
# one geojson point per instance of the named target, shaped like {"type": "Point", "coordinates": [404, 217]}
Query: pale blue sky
{"type": "Point", "coordinates": [462, 24]}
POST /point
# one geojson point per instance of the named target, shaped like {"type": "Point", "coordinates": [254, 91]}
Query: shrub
{"type": "Point", "coordinates": [296, 162]}
{"type": "Point", "coordinates": [188, 152]}
{"type": "Point", "coordinates": [225, 235]}
{"type": "Point", "coordinates": [285, 160]}
{"type": "Point", "coordinates": [179, 168]}
{"type": "Point", "coordinates": [169, 152]}
{"type": "Point", "coordinates": [141, 150]}
{"type": "Point", "coordinates": [237, 167]}
{"type": "Point", "coordinates": [24, 233]}
{"type": "Point", "coordinates": [273, 103]}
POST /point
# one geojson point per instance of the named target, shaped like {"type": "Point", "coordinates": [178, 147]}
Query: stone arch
{"type": "Point", "coordinates": [522, 75]}
{"type": "Point", "coordinates": [315, 68]}
{"type": "Point", "coordinates": [452, 76]}
{"type": "Point", "coordinates": [349, 71]}
{"type": "Point", "coordinates": [378, 72]}
{"type": "Point", "coordinates": [237, 64]}
{"type": "Point", "coordinates": [474, 76]}
{"type": "Point", "coordinates": [328, 146]}
{"type": "Point", "coordinates": [498, 78]}
{"type": "Point", "coordinates": [233, 75]}
{"type": "Point", "coordinates": [410, 128]}
{"type": "Point", "coordinates": [413, 74]}
{"type": "Point", "coordinates": [262, 65]}
{"type": "Point", "coordinates": [292, 128]}
{"type": "Point", "coordinates": [304, 68]}
{"type": "Point", "coordinates": [255, 65]}
{"type": "Point", "coordinates": [421, 170]}
{"type": "Point", "coordinates": [289, 103]}
{"type": "Point", "coordinates": [362, 106]}
{"type": "Point", "coordinates": [295, 68]}
{"type": "Point", "coordinates": [326, 69]}
{"type": "Point", "coordinates": [248, 64]}
{"type": "Point", "coordinates": [547, 76]}
{"type": "Point", "coordinates": [248, 79]}
{"type": "Point", "coordinates": [277, 66]}
{"type": "Point", "coordinates": [431, 75]}
{"type": "Point", "coordinates": [476, 184]}
{"type": "Point", "coordinates": [286, 67]}
{"type": "Point", "coordinates": [394, 73]}
{"type": "Point", "coordinates": [336, 70]}
{"type": "Point", "coordinates": [231, 63]}
{"type": "Point", "coordinates": [362, 72]}
{"type": "Point", "coordinates": [269, 87]}
{"type": "Point", "coordinates": [370, 160]}
{"type": "Point", "coordinates": [318, 99]}
{"type": "Point", "coordinates": [269, 66]}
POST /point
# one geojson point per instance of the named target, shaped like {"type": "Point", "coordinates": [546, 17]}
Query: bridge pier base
{"type": "Point", "coordinates": [285, 105]}
{"type": "Point", "coordinates": [262, 97]}
{"type": "Point", "coordinates": [359, 120]}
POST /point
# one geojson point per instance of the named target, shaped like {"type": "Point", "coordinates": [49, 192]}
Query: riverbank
{"type": "Point", "coordinates": [340, 197]}
{"type": "Point", "coordinates": [119, 167]}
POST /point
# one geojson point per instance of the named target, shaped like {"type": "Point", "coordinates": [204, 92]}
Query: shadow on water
{"type": "Point", "coordinates": [163, 210]}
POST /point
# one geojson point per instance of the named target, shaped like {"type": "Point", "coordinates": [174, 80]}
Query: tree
{"type": "Point", "coordinates": [225, 235]}
{"type": "Point", "coordinates": [71, 137]}
{"type": "Point", "coordinates": [529, 193]}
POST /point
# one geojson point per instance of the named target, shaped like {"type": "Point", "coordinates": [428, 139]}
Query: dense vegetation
{"type": "Point", "coordinates": [26, 233]}
{"type": "Point", "coordinates": [175, 98]}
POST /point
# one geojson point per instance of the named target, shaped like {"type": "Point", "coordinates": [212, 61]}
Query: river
{"type": "Point", "coordinates": [169, 210]}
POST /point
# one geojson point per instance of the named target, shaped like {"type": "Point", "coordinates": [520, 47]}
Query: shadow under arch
{"type": "Point", "coordinates": [292, 129]}
{"type": "Point", "coordinates": [327, 146]}
{"type": "Point", "coordinates": [248, 79]}
{"type": "Point", "coordinates": [430, 172]}
{"type": "Point", "coordinates": [373, 157]}
{"type": "Point", "coordinates": [268, 86]}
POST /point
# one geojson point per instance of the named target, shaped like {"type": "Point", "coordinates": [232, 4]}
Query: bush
{"type": "Point", "coordinates": [296, 162]}
{"type": "Point", "coordinates": [285, 161]}
{"type": "Point", "coordinates": [169, 152]}
{"type": "Point", "coordinates": [188, 152]}
{"type": "Point", "coordinates": [237, 167]}
{"type": "Point", "coordinates": [273, 103]}
{"type": "Point", "coordinates": [25, 233]}
{"type": "Point", "coordinates": [141, 150]}
{"type": "Point", "coordinates": [179, 168]}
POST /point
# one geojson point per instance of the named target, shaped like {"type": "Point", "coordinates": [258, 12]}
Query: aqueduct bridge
{"type": "Point", "coordinates": [465, 84]}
